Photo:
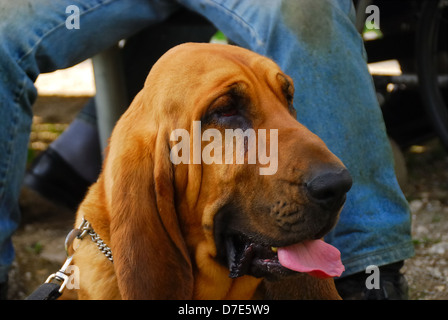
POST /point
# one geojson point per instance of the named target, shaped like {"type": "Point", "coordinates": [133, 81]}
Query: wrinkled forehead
{"type": "Point", "coordinates": [198, 64]}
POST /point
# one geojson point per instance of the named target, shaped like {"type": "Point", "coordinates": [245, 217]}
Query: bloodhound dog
{"type": "Point", "coordinates": [212, 229]}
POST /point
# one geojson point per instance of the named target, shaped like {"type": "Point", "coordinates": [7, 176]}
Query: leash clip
{"type": "Point", "coordinates": [79, 233]}
{"type": "Point", "coordinates": [60, 275]}
{"type": "Point", "coordinates": [56, 282]}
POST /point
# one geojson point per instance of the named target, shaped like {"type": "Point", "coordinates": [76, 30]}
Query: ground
{"type": "Point", "coordinates": [426, 191]}
{"type": "Point", "coordinates": [39, 242]}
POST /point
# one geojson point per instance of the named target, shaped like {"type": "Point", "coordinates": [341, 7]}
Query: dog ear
{"type": "Point", "coordinates": [150, 255]}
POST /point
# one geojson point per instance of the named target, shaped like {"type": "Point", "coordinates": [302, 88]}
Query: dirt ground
{"type": "Point", "coordinates": [39, 242]}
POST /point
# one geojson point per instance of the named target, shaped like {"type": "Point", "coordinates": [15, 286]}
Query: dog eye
{"type": "Point", "coordinates": [230, 109]}
{"type": "Point", "coordinates": [227, 111]}
{"type": "Point", "coordinates": [225, 107]}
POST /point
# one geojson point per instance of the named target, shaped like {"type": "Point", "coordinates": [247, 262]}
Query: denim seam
{"type": "Point", "coordinates": [260, 43]}
{"type": "Point", "coordinates": [344, 12]}
{"type": "Point", "coordinates": [345, 16]}
{"type": "Point", "coordinates": [58, 26]}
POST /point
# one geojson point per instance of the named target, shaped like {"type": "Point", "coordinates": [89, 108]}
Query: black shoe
{"type": "Point", "coordinates": [392, 285]}
{"type": "Point", "coordinates": [4, 290]}
{"type": "Point", "coordinates": [53, 178]}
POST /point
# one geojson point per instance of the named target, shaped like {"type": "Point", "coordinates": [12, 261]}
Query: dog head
{"type": "Point", "coordinates": [210, 155]}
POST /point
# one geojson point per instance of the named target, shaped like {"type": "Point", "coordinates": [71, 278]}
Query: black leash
{"type": "Point", "coordinates": [46, 291]}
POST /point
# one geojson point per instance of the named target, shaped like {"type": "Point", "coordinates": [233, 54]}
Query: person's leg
{"type": "Point", "coordinates": [316, 43]}
{"type": "Point", "coordinates": [65, 170]}
{"type": "Point", "coordinates": [88, 162]}
{"type": "Point", "coordinates": [34, 39]}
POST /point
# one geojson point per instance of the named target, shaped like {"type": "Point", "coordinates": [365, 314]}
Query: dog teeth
{"type": "Point", "coordinates": [274, 249]}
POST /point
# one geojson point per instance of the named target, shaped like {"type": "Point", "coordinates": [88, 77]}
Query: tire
{"type": "Point", "coordinates": [431, 61]}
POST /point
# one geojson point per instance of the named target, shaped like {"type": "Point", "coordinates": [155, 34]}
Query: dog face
{"type": "Point", "coordinates": [243, 214]}
{"type": "Point", "coordinates": [183, 204]}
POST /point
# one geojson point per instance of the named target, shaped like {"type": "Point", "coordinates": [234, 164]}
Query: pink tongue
{"type": "Point", "coordinates": [315, 257]}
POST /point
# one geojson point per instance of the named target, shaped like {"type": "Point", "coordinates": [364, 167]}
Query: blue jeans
{"type": "Point", "coordinates": [315, 42]}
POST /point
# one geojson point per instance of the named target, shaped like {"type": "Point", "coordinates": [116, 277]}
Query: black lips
{"type": "Point", "coordinates": [247, 257]}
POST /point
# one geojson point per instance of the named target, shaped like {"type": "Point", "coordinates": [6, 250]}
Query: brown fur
{"type": "Point", "coordinates": [158, 218]}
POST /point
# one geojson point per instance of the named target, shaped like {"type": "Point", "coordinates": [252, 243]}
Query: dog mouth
{"type": "Point", "coordinates": [247, 256]}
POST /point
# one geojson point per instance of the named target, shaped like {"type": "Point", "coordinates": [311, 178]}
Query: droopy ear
{"type": "Point", "coordinates": [150, 255]}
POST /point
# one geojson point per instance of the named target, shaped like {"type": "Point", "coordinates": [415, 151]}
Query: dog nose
{"type": "Point", "coordinates": [329, 186]}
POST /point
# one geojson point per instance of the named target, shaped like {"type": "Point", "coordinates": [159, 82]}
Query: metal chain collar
{"type": "Point", "coordinates": [85, 229]}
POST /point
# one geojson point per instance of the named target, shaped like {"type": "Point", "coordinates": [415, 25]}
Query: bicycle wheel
{"type": "Point", "coordinates": [432, 63]}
